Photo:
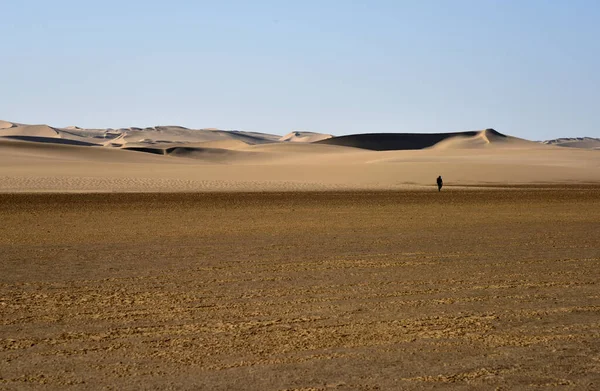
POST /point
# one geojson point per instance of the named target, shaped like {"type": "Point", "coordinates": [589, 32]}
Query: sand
{"type": "Point", "coordinates": [174, 159]}
{"type": "Point", "coordinates": [175, 258]}
{"type": "Point", "coordinates": [576, 142]}
{"type": "Point", "coordinates": [305, 137]}
{"type": "Point", "coordinates": [468, 289]}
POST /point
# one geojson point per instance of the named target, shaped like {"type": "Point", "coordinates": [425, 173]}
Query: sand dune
{"type": "Point", "coordinates": [410, 141]}
{"type": "Point", "coordinates": [43, 156]}
{"type": "Point", "coordinates": [576, 142]}
{"type": "Point", "coordinates": [28, 166]}
{"type": "Point", "coordinates": [224, 144]}
{"type": "Point", "coordinates": [178, 159]}
{"type": "Point", "coordinates": [6, 124]}
{"type": "Point", "coordinates": [158, 135]}
{"type": "Point", "coordinates": [488, 138]}
{"type": "Point", "coordinates": [169, 135]}
{"type": "Point", "coordinates": [31, 131]}
{"type": "Point", "coordinates": [50, 140]}
{"type": "Point", "coordinates": [215, 155]}
{"type": "Point", "coordinates": [305, 137]}
{"type": "Point", "coordinates": [45, 133]}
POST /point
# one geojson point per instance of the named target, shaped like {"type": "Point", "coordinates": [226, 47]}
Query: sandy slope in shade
{"type": "Point", "coordinates": [27, 166]}
{"type": "Point", "coordinates": [418, 141]}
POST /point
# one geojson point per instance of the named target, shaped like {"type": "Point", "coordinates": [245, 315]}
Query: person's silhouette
{"type": "Point", "coordinates": [440, 183]}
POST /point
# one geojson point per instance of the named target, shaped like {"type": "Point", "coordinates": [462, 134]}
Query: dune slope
{"type": "Point", "coordinates": [304, 137]}
{"type": "Point", "coordinates": [179, 159]}
{"type": "Point", "coordinates": [408, 141]}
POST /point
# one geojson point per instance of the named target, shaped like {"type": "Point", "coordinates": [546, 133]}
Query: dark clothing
{"type": "Point", "coordinates": [440, 183]}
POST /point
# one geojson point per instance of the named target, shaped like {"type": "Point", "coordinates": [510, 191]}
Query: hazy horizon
{"type": "Point", "coordinates": [526, 70]}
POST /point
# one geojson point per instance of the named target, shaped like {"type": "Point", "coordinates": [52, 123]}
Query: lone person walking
{"type": "Point", "coordinates": [440, 183]}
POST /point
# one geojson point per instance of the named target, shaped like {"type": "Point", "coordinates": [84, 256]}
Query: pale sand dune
{"type": "Point", "coordinates": [31, 131]}
{"type": "Point", "coordinates": [578, 142]}
{"type": "Point", "coordinates": [176, 134]}
{"type": "Point", "coordinates": [158, 135]}
{"type": "Point", "coordinates": [26, 166]}
{"type": "Point", "coordinates": [223, 144]}
{"type": "Point", "coordinates": [487, 138]}
{"type": "Point", "coordinates": [171, 158]}
{"type": "Point", "coordinates": [305, 137]}
{"type": "Point", "coordinates": [305, 149]}
{"type": "Point", "coordinates": [46, 134]}
{"type": "Point", "coordinates": [6, 124]}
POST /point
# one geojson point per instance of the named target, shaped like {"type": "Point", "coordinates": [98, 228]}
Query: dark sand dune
{"type": "Point", "coordinates": [50, 140]}
{"type": "Point", "coordinates": [403, 141]}
{"type": "Point", "coordinates": [156, 151]}
{"type": "Point", "coordinates": [211, 155]}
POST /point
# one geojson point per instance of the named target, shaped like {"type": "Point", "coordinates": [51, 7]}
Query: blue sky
{"type": "Point", "coordinates": [526, 68]}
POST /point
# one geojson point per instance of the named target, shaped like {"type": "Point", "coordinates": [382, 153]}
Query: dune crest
{"type": "Point", "coordinates": [304, 137]}
{"type": "Point", "coordinates": [412, 141]}
{"type": "Point", "coordinates": [488, 138]}
{"type": "Point", "coordinates": [6, 125]}
{"type": "Point", "coordinates": [31, 131]}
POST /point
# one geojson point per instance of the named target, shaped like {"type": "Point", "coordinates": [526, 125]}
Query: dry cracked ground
{"type": "Point", "coordinates": [463, 289]}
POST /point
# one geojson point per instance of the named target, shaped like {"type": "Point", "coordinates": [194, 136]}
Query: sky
{"type": "Point", "coordinates": [530, 69]}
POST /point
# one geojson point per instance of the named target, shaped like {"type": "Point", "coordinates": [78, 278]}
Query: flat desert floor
{"type": "Point", "coordinates": [468, 288]}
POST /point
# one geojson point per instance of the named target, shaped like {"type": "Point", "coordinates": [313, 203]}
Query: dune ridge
{"type": "Point", "coordinates": [6, 125]}
{"type": "Point", "coordinates": [575, 142]}
{"type": "Point", "coordinates": [412, 141]}
{"type": "Point", "coordinates": [305, 137]}
{"type": "Point", "coordinates": [171, 158]}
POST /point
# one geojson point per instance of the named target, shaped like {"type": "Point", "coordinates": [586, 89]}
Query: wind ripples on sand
{"type": "Point", "coordinates": [100, 184]}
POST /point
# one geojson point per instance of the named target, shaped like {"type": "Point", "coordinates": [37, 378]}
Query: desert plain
{"type": "Point", "coordinates": [174, 259]}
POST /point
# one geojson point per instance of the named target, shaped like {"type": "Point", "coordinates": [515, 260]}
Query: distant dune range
{"type": "Point", "coordinates": [174, 158]}
{"type": "Point", "coordinates": [576, 142]}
